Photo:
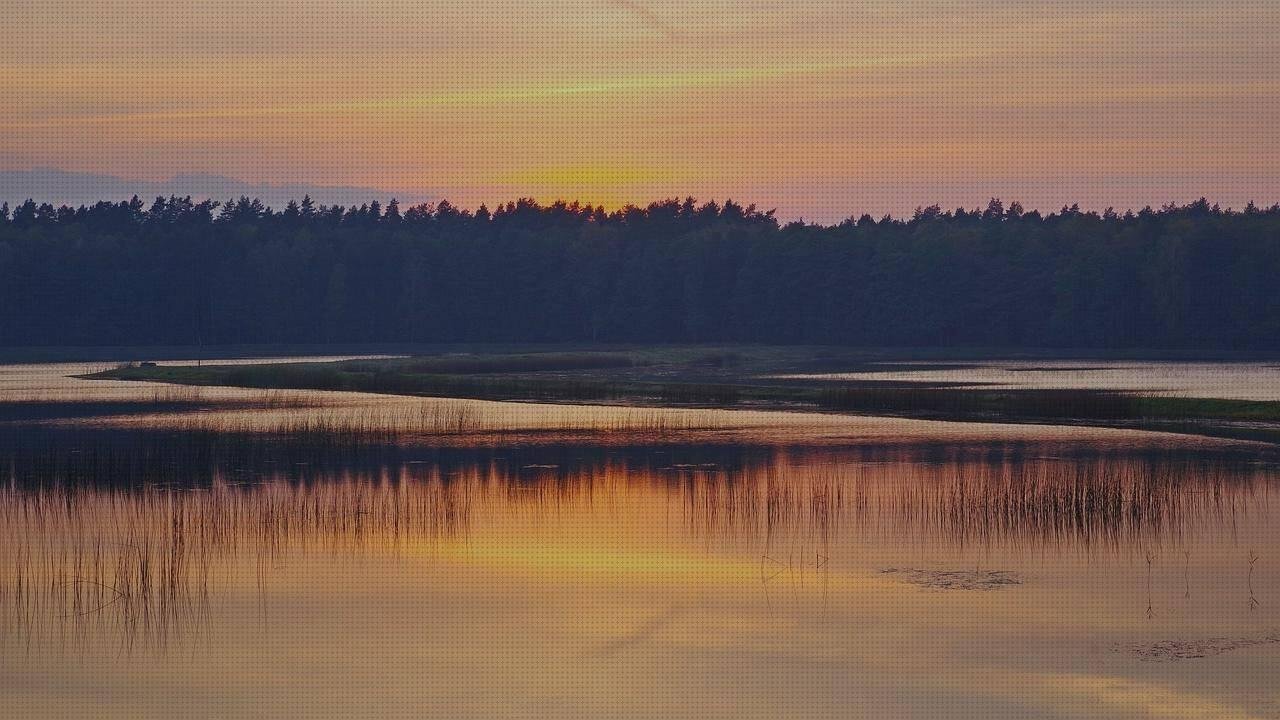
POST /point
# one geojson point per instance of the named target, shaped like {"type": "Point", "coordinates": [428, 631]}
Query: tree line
{"type": "Point", "coordinates": [183, 272]}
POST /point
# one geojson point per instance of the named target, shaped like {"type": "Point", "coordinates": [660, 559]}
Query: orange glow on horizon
{"type": "Point", "coordinates": [816, 109]}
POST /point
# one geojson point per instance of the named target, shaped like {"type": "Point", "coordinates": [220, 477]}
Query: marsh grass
{"type": "Point", "coordinates": [677, 385]}
{"type": "Point", "coordinates": [411, 423]}
{"type": "Point", "coordinates": [487, 387]}
{"type": "Point", "coordinates": [158, 443]}
{"type": "Point", "coordinates": [166, 399]}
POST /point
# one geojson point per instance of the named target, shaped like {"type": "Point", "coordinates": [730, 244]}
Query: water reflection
{"type": "Point", "coordinates": [1235, 380]}
{"type": "Point", "coordinates": [228, 553]}
{"type": "Point", "coordinates": [141, 565]}
{"type": "Point", "coordinates": [137, 561]}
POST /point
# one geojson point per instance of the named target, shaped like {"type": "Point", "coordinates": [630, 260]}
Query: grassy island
{"type": "Point", "coordinates": [725, 377]}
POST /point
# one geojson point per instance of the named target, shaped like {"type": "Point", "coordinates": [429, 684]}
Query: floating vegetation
{"type": "Point", "coordinates": [1176, 650]}
{"type": "Point", "coordinates": [931, 579]}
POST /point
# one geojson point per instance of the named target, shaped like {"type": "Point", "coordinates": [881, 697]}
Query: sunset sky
{"type": "Point", "coordinates": [817, 107]}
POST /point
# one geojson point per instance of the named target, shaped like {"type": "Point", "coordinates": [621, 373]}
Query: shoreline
{"type": "Point", "coordinates": [660, 380]}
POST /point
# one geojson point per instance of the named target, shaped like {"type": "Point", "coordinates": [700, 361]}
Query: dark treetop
{"type": "Point", "coordinates": [181, 273]}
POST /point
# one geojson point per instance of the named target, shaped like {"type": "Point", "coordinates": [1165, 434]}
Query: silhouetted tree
{"type": "Point", "coordinates": [179, 272]}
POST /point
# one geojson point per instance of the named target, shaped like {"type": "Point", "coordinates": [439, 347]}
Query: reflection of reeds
{"type": "Point", "coordinates": [1253, 599]}
{"type": "Point", "coordinates": [138, 555]}
{"type": "Point", "coordinates": [140, 562]}
{"type": "Point", "coordinates": [1107, 501]}
{"type": "Point", "coordinates": [197, 445]}
{"type": "Point", "coordinates": [1114, 501]}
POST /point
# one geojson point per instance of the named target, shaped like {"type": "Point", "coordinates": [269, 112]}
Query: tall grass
{"type": "Point", "coordinates": [481, 378]}
{"type": "Point", "coordinates": [438, 419]}
{"type": "Point", "coordinates": [169, 399]}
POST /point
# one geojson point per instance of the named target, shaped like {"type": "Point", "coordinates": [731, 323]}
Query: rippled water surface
{"type": "Point", "coordinates": [553, 561]}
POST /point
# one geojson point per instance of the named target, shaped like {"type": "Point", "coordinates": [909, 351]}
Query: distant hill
{"type": "Point", "coordinates": [60, 187]}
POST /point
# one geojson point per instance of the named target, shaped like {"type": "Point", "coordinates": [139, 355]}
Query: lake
{"type": "Point", "coordinates": [167, 552]}
{"type": "Point", "coordinates": [1227, 380]}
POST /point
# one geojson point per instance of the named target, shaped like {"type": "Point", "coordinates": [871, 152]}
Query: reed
{"type": "Point", "coordinates": [704, 381]}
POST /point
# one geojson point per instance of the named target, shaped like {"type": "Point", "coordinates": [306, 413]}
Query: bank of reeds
{"type": "Point", "coordinates": [155, 446]}
{"type": "Point", "coordinates": [148, 400]}
{"type": "Point", "coordinates": [484, 380]}
{"type": "Point", "coordinates": [388, 377]}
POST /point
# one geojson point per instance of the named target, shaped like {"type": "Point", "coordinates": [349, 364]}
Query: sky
{"type": "Point", "coordinates": [819, 108]}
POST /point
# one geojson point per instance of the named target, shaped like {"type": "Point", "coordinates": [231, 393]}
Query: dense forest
{"type": "Point", "coordinates": [183, 272]}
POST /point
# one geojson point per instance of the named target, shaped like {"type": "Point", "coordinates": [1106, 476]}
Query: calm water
{"type": "Point", "coordinates": [590, 562]}
{"type": "Point", "coordinates": [1241, 381]}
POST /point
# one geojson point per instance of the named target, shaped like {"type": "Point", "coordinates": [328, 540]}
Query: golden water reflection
{"type": "Point", "coordinates": [903, 582]}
